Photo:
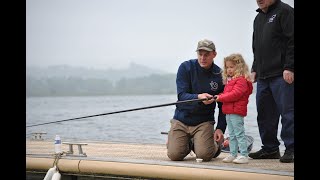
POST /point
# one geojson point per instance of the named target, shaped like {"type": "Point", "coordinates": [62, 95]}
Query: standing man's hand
{"type": "Point", "coordinates": [288, 76]}
{"type": "Point", "coordinates": [218, 136]}
{"type": "Point", "coordinates": [253, 77]}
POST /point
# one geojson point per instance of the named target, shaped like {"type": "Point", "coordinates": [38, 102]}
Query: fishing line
{"type": "Point", "coordinates": [115, 112]}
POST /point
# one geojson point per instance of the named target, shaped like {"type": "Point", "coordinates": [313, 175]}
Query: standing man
{"type": "Point", "coordinates": [197, 79]}
{"type": "Point", "coordinates": [273, 70]}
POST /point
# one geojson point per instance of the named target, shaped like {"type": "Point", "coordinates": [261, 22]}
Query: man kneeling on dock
{"type": "Point", "coordinates": [197, 79]}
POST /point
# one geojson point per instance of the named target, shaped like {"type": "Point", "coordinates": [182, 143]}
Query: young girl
{"type": "Point", "coordinates": [235, 98]}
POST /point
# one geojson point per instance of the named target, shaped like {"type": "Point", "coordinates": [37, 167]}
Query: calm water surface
{"type": "Point", "coordinates": [143, 126]}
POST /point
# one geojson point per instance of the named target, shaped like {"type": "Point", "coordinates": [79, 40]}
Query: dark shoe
{"type": "Point", "coordinates": [262, 154]}
{"type": "Point", "coordinates": [288, 157]}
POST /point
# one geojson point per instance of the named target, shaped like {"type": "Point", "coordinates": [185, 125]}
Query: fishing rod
{"type": "Point", "coordinates": [135, 109]}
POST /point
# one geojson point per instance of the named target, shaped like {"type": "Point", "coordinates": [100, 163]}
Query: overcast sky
{"type": "Point", "coordinates": [155, 33]}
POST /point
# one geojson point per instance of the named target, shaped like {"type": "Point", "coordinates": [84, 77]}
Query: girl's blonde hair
{"type": "Point", "coordinates": [241, 67]}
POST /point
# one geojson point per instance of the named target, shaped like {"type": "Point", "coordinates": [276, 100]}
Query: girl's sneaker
{"type": "Point", "coordinates": [241, 160]}
{"type": "Point", "coordinates": [229, 159]}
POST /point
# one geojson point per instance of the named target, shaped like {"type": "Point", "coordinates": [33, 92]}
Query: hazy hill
{"type": "Point", "coordinates": [65, 71]}
{"type": "Point", "coordinates": [78, 81]}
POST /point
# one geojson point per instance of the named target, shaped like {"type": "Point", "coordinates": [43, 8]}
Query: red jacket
{"type": "Point", "coordinates": [235, 96]}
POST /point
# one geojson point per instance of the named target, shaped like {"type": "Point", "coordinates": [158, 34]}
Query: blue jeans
{"type": "Point", "coordinates": [237, 139]}
{"type": "Point", "coordinates": [275, 97]}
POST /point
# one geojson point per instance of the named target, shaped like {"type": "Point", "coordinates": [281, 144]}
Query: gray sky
{"type": "Point", "coordinates": [155, 33]}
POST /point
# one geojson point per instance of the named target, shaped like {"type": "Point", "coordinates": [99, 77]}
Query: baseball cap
{"type": "Point", "coordinates": [206, 45]}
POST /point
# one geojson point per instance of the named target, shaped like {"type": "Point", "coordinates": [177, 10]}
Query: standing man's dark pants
{"type": "Point", "coordinates": [275, 97]}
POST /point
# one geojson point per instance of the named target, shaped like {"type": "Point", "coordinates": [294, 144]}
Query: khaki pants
{"type": "Point", "coordinates": [180, 135]}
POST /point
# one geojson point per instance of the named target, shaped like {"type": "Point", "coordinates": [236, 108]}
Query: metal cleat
{"type": "Point", "coordinates": [38, 136]}
{"type": "Point", "coordinates": [70, 152]}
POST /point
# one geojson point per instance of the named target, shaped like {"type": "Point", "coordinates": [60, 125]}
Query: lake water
{"type": "Point", "coordinates": [142, 126]}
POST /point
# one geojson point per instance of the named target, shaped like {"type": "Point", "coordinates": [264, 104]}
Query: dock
{"type": "Point", "coordinates": [118, 160]}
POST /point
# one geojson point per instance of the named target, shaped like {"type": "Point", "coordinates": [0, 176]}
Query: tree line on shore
{"type": "Point", "coordinates": [78, 86]}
